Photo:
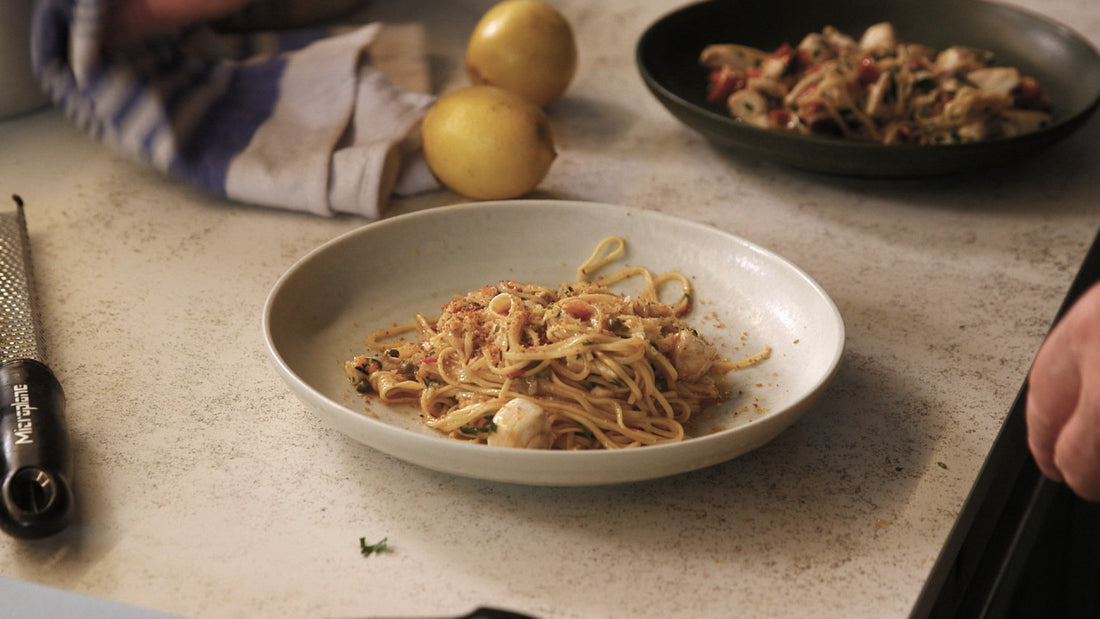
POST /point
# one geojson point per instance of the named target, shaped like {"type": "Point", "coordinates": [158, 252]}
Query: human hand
{"type": "Point", "coordinates": [1063, 399]}
{"type": "Point", "coordinates": [133, 19]}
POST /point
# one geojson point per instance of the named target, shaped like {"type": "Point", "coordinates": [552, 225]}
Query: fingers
{"type": "Point", "coordinates": [1053, 389]}
{"type": "Point", "coordinates": [1063, 400]}
{"type": "Point", "coordinates": [1077, 451]}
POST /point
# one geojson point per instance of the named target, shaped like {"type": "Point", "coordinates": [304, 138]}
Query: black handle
{"type": "Point", "coordinates": [35, 495]}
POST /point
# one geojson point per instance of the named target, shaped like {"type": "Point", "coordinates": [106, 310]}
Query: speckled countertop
{"type": "Point", "coordinates": [207, 489]}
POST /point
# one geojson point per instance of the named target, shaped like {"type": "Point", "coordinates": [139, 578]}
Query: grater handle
{"type": "Point", "coordinates": [35, 494]}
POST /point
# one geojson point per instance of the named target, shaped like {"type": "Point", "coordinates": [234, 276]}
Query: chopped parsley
{"type": "Point", "coordinates": [492, 427]}
{"type": "Point", "coordinates": [369, 549]}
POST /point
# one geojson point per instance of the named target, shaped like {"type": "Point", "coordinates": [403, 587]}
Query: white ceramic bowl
{"type": "Point", "coordinates": [319, 311]}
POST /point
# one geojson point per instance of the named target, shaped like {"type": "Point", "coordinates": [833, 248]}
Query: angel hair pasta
{"type": "Point", "coordinates": [580, 367]}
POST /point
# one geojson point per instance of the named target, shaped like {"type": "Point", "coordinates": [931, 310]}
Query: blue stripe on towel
{"type": "Point", "coordinates": [229, 124]}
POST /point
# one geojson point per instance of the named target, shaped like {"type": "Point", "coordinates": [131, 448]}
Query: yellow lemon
{"type": "Point", "coordinates": [525, 46]}
{"type": "Point", "coordinates": [487, 143]}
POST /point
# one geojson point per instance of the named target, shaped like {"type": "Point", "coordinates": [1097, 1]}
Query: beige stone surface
{"type": "Point", "coordinates": [207, 490]}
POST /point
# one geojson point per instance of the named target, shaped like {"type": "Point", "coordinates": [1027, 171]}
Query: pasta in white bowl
{"type": "Point", "coordinates": [745, 300]}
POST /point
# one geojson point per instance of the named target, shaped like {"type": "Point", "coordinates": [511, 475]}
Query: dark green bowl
{"type": "Point", "coordinates": [1067, 65]}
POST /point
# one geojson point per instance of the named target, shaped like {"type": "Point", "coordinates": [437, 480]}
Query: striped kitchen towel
{"type": "Point", "coordinates": [318, 120]}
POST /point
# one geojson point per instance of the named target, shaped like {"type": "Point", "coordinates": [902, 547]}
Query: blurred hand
{"type": "Point", "coordinates": [1063, 400]}
{"type": "Point", "coordinates": [134, 19]}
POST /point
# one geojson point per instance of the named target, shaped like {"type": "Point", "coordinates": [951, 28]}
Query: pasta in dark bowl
{"type": "Point", "coordinates": [1066, 66]}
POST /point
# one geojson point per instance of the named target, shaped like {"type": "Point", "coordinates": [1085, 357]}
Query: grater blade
{"type": "Point", "coordinates": [20, 330]}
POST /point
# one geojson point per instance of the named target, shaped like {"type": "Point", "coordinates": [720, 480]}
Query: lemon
{"type": "Point", "coordinates": [525, 46]}
{"type": "Point", "coordinates": [487, 143]}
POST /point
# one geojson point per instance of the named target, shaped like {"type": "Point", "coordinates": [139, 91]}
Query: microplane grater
{"type": "Point", "coordinates": [36, 497]}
